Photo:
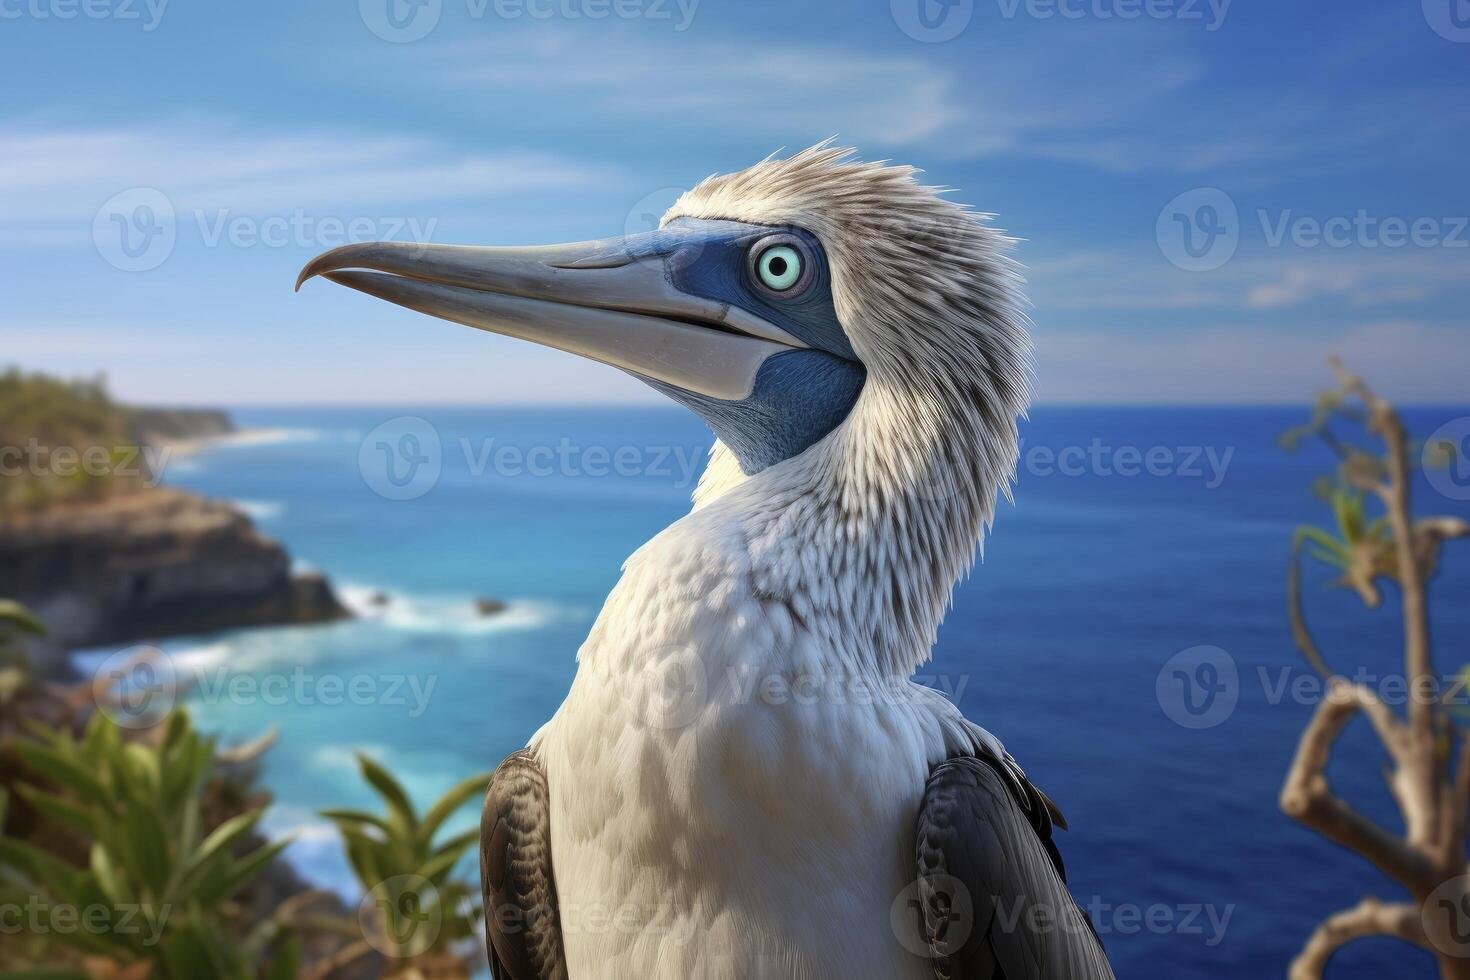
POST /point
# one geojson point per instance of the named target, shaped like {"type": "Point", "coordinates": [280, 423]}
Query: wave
{"type": "Point", "coordinates": [261, 510]}
{"type": "Point", "coordinates": [263, 437]}
{"type": "Point", "coordinates": [441, 613]}
{"type": "Point", "coordinates": [203, 657]}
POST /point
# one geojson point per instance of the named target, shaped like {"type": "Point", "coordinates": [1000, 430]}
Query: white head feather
{"type": "Point", "coordinates": [931, 301]}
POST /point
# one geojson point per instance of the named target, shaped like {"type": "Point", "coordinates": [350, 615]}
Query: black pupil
{"type": "Point", "coordinates": [778, 266]}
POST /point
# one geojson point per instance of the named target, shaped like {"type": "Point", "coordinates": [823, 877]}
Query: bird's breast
{"type": "Point", "coordinates": [730, 797]}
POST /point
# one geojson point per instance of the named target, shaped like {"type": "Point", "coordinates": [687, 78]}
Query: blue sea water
{"type": "Point", "coordinates": [1092, 585]}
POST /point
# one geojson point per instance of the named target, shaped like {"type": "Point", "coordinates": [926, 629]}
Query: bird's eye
{"type": "Point", "coordinates": [779, 267]}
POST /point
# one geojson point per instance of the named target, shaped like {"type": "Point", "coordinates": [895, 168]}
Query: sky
{"type": "Point", "coordinates": [1212, 195]}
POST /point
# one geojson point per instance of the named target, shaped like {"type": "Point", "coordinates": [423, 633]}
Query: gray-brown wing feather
{"type": "Point", "coordinates": [522, 924]}
{"type": "Point", "coordinates": [995, 902]}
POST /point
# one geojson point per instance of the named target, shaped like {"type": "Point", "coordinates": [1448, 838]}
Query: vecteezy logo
{"type": "Point", "coordinates": [1199, 687]}
{"type": "Point", "coordinates": [402, 916]}
{"type": "Point", "coordinates": [649, 210]}
{"type": "Point", "coordinates": [135, 687]}
{"type": "Point", "coordinates": [932, 21]}
{"type": "Point", "coordinates": [670, 691]}
{"type": "Point", "coordinates": [1446, 459]}
{"type": "Point", "coordinates": [940, 901]}
{"type": "Point", "coordinates": [401, 459]}
{"type": "Point", "coordinates": [1450, 19]}
{"type": "Point", "coordinates": [1446, 917]}
{"type": "Point", "coordinates": [135, 230]}
{"type": "Point", "coordinates": [1199, 230]}
{"type": "Point", "coordinates": [400, 21]}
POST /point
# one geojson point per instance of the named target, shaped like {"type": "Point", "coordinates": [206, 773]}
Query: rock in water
{"type": "Point", "coordinates": [489, 607]}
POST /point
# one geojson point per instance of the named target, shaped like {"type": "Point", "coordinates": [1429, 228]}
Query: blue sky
{"type": "Point", "coordinates": [248, 137]}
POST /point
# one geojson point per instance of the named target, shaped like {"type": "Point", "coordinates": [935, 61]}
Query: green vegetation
{"type": "Point", "coordinates": [156, 884]}
{"type": "Point", "coordinates": [15, 622]}
{"type": "Point", "coordinates": [133, 854]}
{"type": "Point", "coordinates": [418, 908]}
{"type": "Point", "coordinates": [62, 440]}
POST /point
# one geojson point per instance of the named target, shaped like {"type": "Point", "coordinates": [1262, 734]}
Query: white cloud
{"type": "Point", "coordinates": [1052, 94]}
{"type": "Point", "coordinates": [54, 180]}
{"type": "Point", "coordinates": [883, 100]}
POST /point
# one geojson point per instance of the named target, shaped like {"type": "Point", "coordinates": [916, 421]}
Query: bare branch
{"type": "Point", "coordinates": [1456, 804]}
{"type": "Point", "coordinates": [1308, 798]}
{"type": "Point", "coordinates": [1439, 529]}
{"type": "Point", "coordinates": [1301, 634]}
{"type": "Point", "coordinates": [1429, 778]}
{"type": "Point", "coordinates": [339, 960]}
{"type": "Point", "coordinates": [1386, 424]}
{"type": "Point", "coordinates": [1369, 918]}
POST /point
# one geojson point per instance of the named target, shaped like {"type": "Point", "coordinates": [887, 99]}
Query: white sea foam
{"type": "Point", "coordinates": [204, 657]}
{"type": "Point", "coordinates": [285, 820]}
{"type": "Point", "coordinates": [261, 510]}
{"type": "Point", "coordinates": [442, 613]}
{"type": "Point", "coordinates": [334, 758]}
{"type": "Point", "coordinates": [262, 437]}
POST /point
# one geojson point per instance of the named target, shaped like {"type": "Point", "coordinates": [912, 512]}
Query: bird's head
{"type": "Point", "coordinates": [778, 303]}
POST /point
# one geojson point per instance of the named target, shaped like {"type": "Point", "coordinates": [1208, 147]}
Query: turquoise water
{"type": "Point", "coordinates": [1092, 582]}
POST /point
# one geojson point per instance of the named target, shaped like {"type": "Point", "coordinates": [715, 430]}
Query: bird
{"type": "Point", "coordinates": [744, 779]}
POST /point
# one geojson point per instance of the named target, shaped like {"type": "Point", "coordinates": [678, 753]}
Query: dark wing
{"type": "Point", "coordinates": [991, 885]}
{"type": "Point", "coordinates": [522, 923]}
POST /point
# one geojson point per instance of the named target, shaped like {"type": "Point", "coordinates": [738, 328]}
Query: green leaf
{"type": "Point", "coordinates": [444, 859]}
{"type": "Point", "coordinates": [55, 808]}
{"type": "Point", "coordinates": [1307, 532]}
{"type": "Point", "coordinates": [40, 865]}
{"type": "Point", "coordinates": [287, 962]}
{"type": "Point", "coordinates": [188, 953]}
{"type": "Point", "coordinates": [1328, 558]}
{"type": "Point", "coordinates": [14, 615]}
{"type": "Point", "coordinates": [371, 859]}
{"type": "Point", "coordinates": [146, 847]}
{"type": "Point", "coordinates": [242, 872]}
{"type": "Point", "coordinates": [110, 876]}
{"type": "Point", "coordinates": [357, 818]}
{"type": "Point", "coordinates": [176, 729]}
{"type": "Point", "coordinates": [388, 788]}
{"type": "Point", "coordinates": [225, 834]}
{"type": "Point", "coordinates": [471, 788]}
{"type": "Point", "coordinates": [62, 768]}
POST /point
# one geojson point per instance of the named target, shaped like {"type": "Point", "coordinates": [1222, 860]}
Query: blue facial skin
{"type": "Point", "coordinates": [799, 395]}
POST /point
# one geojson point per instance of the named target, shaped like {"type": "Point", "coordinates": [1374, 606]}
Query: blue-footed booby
{"type": "Point", "coordinates": [744, 780]}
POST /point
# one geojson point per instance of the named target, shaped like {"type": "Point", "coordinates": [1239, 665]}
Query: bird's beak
{"type": "Point", "coordinates": [612, 301]}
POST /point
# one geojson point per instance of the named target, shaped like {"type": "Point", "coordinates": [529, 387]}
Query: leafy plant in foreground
{"type": "Point", "coordinates": [416, 908]}
{"type": "Point", "coordinates": [153, 898]}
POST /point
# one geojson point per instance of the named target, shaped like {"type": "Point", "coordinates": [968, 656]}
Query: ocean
{"type": "Point", "coordinates": [1145, 551]}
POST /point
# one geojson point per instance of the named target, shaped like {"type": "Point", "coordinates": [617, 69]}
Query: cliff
{"type": "Point", "coordinates": [151, 564]}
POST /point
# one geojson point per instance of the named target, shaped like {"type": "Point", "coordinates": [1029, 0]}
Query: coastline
{"type": "Point", "coordinates": [143, 561]}
{"type": "Point", "coordinates": [186, 447]}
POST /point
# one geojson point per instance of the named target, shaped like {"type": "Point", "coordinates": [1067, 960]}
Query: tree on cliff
{"type": "Point", "coordinates": [1429, 753]}
{"type": "Point", "coordinates": [62, 440]}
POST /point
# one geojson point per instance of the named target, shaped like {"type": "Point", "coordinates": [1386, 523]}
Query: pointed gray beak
{"type": "Point", "coordinates": [611, 301]}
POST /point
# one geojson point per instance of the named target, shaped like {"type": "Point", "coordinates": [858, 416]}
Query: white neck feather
{"type": "Point", "coordinates": [870, 528]}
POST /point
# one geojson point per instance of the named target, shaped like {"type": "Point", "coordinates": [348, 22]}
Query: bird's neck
{"type": "Point", "coordinates": [868, 530]}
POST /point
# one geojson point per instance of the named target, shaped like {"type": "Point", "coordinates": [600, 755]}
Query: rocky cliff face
{"type": "Point", "coordinates": [149, 564]}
